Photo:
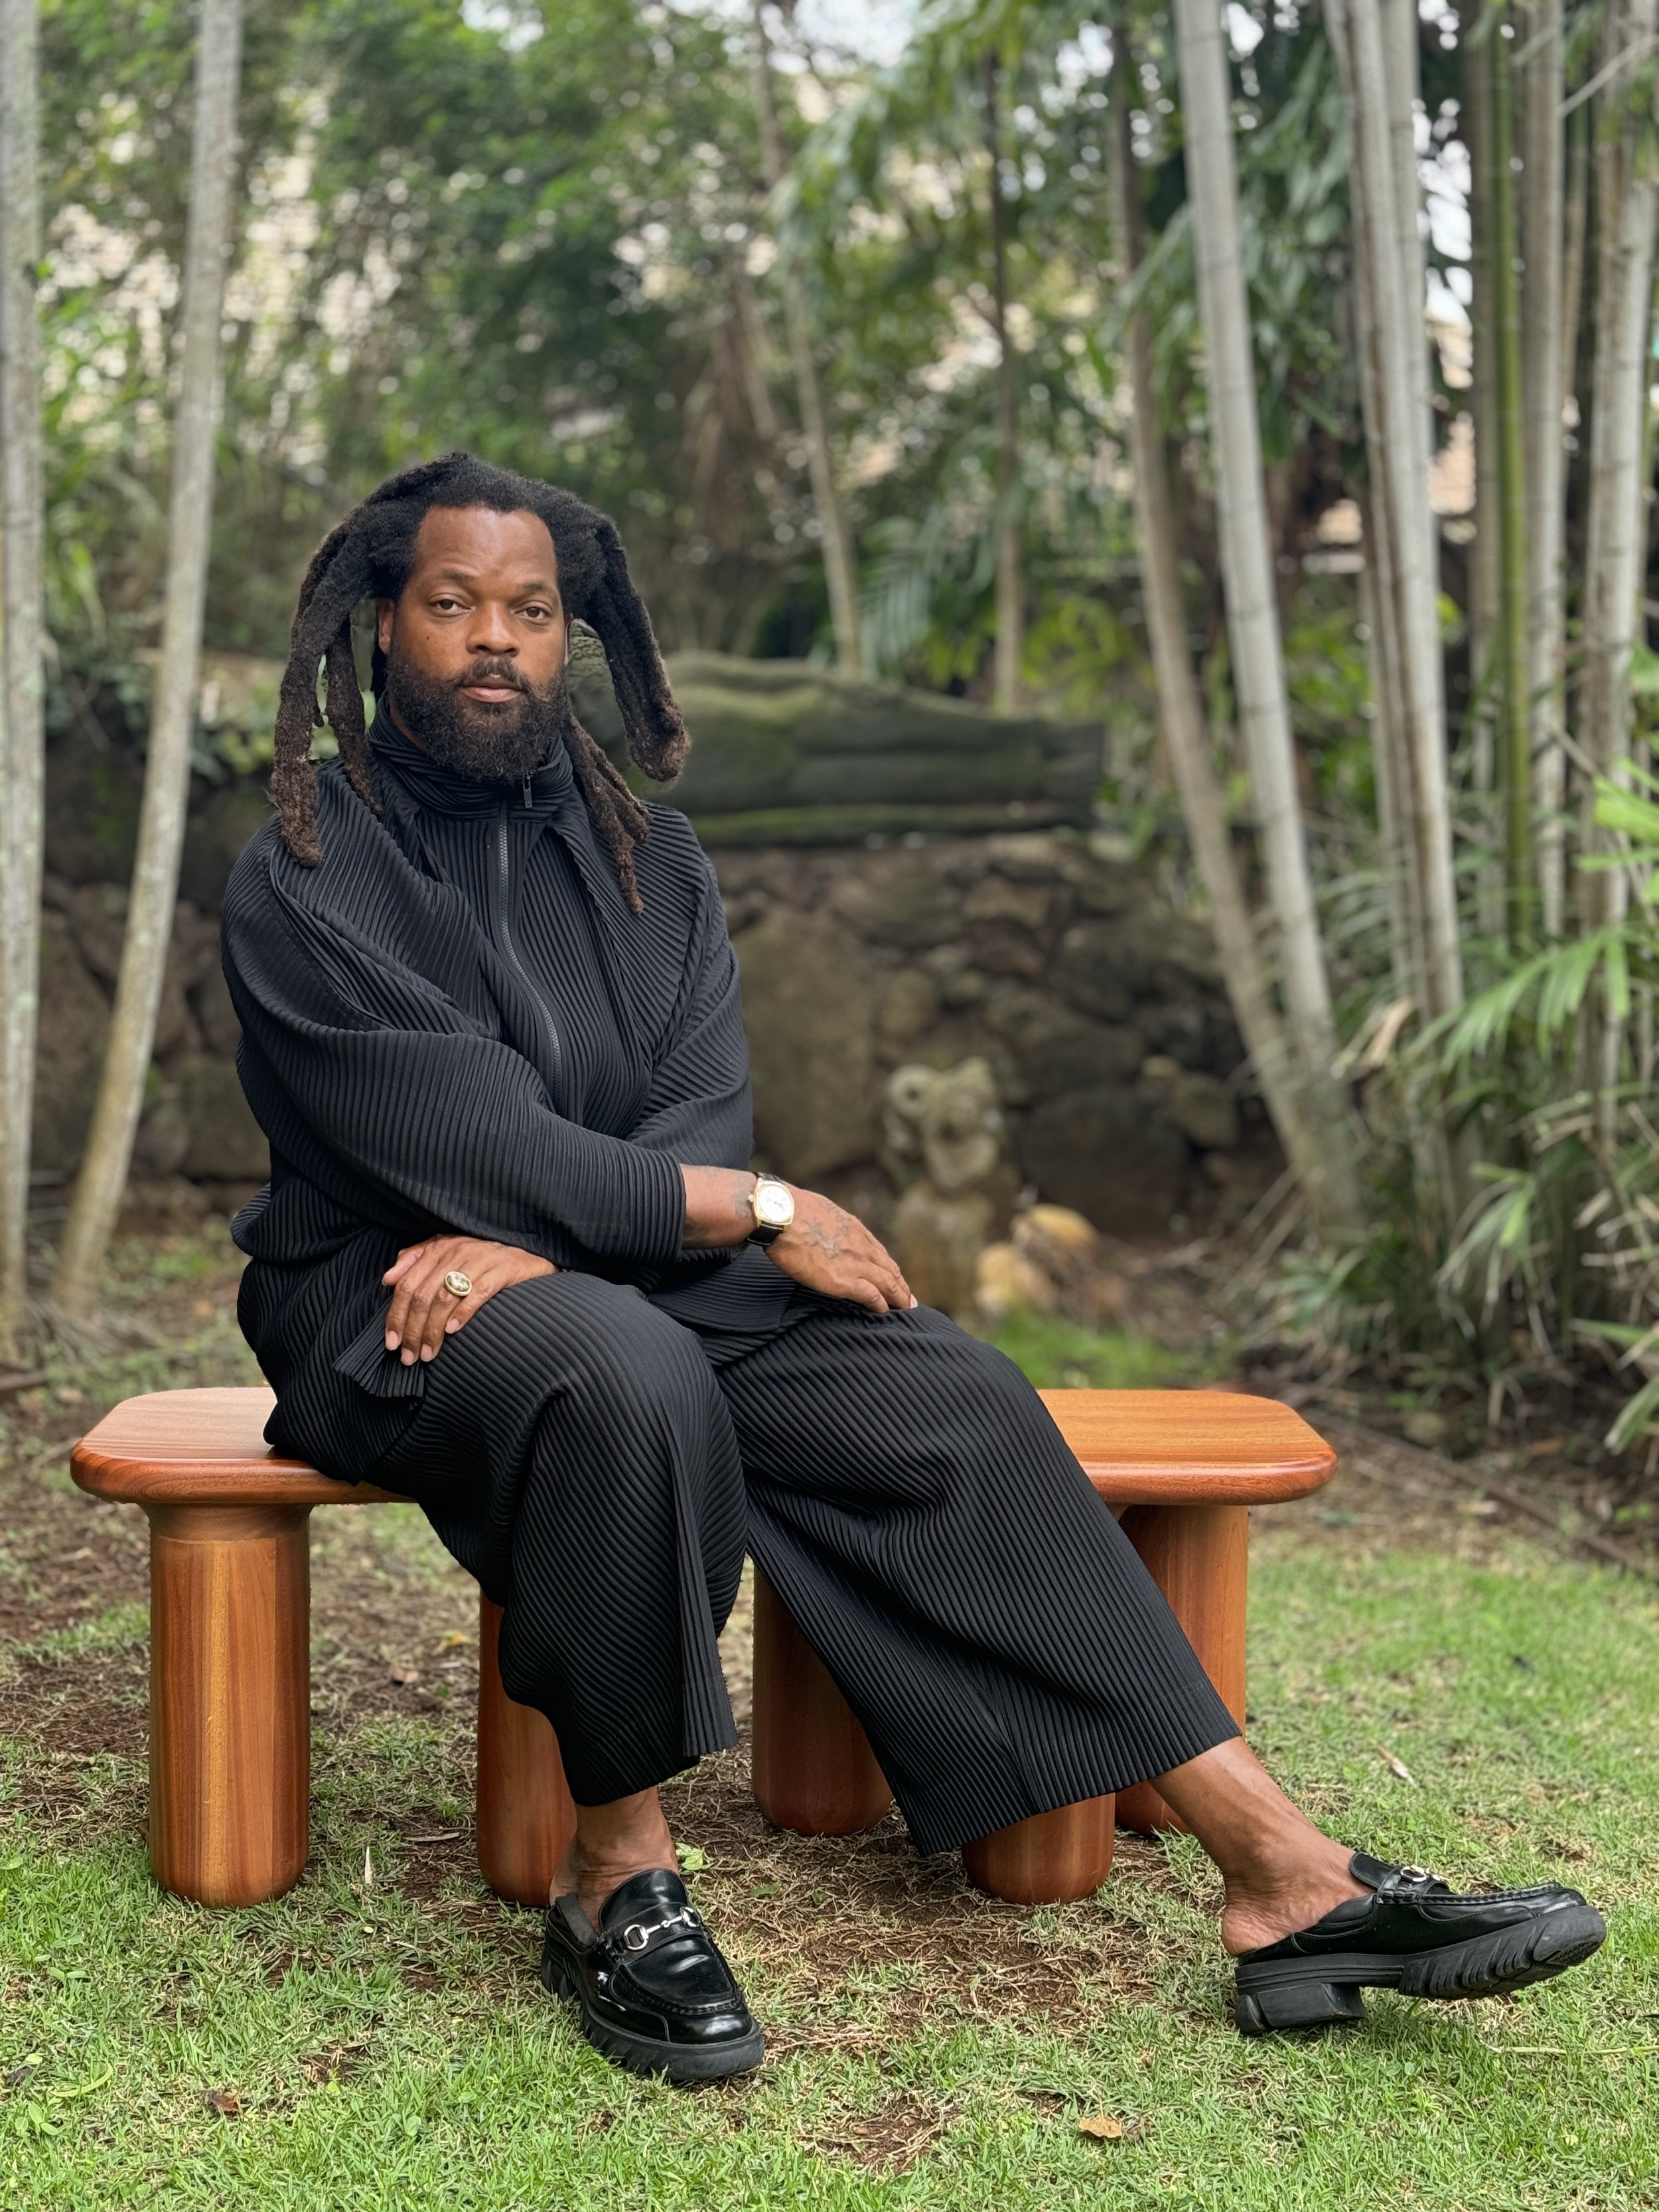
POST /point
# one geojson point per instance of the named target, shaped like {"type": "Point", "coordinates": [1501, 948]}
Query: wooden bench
{"type": "Point", "coordinates": [230, 1703]}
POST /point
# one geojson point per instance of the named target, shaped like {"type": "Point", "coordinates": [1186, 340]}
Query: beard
{"type": "Point", "coordinates": [491, 741]}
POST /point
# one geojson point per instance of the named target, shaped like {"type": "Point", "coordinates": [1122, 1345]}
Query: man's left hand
{"type": "Point", "coordinates": [423, 1312]}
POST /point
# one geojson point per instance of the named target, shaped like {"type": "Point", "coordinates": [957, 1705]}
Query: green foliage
{"type": "Point", "coordinates": [549, 241]}
{"type": "Point", "coordinates": [1062, 1355]}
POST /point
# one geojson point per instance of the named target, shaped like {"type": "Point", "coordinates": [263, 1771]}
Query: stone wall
{"type": "Point", "coordinates": [1098, 1008]}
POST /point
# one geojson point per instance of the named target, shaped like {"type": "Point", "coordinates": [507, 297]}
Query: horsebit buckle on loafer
{"type": "Point", "coordinates": [638, 1933]}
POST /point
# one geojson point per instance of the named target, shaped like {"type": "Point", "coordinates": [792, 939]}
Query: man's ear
{"type": "Point", "coordinates": [384, 611]}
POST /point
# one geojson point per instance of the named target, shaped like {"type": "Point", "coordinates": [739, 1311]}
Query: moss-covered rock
{"type": "Point", "coordinates": [784, 751]}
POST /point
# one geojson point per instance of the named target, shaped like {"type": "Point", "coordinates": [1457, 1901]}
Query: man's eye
{"type": "Point", "coordinates": [538, 613]}
{"type": "Point", "coordinates": [445, 606]}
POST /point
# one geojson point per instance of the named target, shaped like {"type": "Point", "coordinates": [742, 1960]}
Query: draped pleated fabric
{"type": "Point", "coordinates": [455, 1022]}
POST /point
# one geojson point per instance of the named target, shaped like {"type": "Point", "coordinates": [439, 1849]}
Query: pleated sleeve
{"type": "Point", "coordinates": [386, 1090]}
{"type": "Point", "coordinates": [699, 1106]}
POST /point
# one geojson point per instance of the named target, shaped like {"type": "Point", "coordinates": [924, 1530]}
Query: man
{"type": "Point", "coordinates": [513, 1261]}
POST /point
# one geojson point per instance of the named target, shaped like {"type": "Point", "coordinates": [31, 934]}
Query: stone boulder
{"type": "Point", "coordinates": [70, 1053]}
{"type": "Point", "coordinates": [810, 1014]}
{"type": "Point", "coordinates": [219, 825]}
{"type": "Point", "coordinates": [98, 913]}
{"type": "Point", "coordinates": [223, 1142]}
{"type": "Point", "coordinates": [1101, 1152]}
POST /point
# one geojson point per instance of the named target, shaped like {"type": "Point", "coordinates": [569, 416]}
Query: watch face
{"type": "Point", "coordinates": [774, 1207]}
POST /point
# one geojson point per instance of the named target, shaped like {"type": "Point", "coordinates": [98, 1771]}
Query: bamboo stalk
{"type": "Point", "coordinates": [1246, 551]}
{"type": "Point", "coordinates": [1575, 226]}
{"type": "Point", "coordinates": [22, 728]}
{"type": "Point", "coordinates": [1515, 724]}
{"type": "Point", "coordinates": [1376, 55]}
{"type": "Point", "coordinates": [835, 536]}
{"type": "Point", "coordinates": [1010, 648]}
{"type": "Point", "coordinates": [1543, 222]}
{"type": "Point", "coordinates": [1403, 336]}
{"type": "Point", "coordinates": [1615, 524]}
{"type": "Point", "coordinates": [1319, 1152]}
{"type": "Point", "coordinates": [1486, 565]}
{"type": "Point", "coordinates": [108, 1155]}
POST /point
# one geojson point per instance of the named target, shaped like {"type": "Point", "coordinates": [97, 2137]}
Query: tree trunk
{"type": "Point", "coordinates": [1376, 48]}
{"type": "Point", "coordinates": [1378, 42]}
{"type": "Point", "coordinates": [1615, 531]}
{"type": "Point", "coordinates": [103, 1170]}
{"type": "Point", "coordinates": [1010, 650]}
{"type": "Point", "coordinates": [1514, 715]}
{"type": "Point", "coordinates": [1316, 1143]}
{"type": "Point", "coordinates": [1575, 224]}
{"type": "Point", "coordinates": [1246, 551]}
{"type": "Point", "coordinates": [21, 702]}
{"type": "Point", "coordinates": [835, 537]}
{"type": "Point", "coordinates": [1543, 229]}
{"type": "Point", "coordinates": [1486, 565]}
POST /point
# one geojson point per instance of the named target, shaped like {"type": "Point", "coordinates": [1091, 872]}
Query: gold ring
{"type": "Point", "coordinates": [458, 1285]}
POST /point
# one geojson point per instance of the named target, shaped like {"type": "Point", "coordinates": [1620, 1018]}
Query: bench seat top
{"type": "Point", "coordinates": [1138, 1447]}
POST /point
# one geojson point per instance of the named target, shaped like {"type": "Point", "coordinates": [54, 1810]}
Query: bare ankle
{"type": "Point", "coordinates": [611, 1844]}
{"type": "Point", "coordinates": [1266, 1905]}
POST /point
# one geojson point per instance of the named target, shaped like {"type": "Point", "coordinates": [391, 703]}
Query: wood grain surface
{"type": "Point", "coordinates": [525, 1814]}
{"type": "Point", "coordinates": [230, 1700]}
{"type": "Point", "coordinates": [1054, 1858]}
{"type": "Point", "coordinates": [1199, 1558]}
{"type": "Point", "coordinates": [814, 1771]}
{"type": "Point", "coordinates": [1199, 1447]}
{"type": "Point", "coordinates": [203, 1448]}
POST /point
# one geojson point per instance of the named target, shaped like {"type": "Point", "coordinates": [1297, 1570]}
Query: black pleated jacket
{"type": "Point", "coordinates": [455, 1022]}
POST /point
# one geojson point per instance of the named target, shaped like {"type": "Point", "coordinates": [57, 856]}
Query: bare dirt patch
{"type": "Point", "coordinates": [888, 2141]}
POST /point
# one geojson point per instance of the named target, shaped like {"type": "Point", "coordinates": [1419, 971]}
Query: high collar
{"type": "Point", "coordinates": [447, 791]}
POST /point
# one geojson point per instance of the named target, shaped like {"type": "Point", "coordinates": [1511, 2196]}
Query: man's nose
{"type": "Point", "coordinates": [489, 631]}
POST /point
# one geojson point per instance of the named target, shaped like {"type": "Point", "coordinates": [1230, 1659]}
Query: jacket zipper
{"type": "Point", "coordinates": [509, 950]}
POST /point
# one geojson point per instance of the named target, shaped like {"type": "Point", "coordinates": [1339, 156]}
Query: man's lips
{"type": "Point", "coordinates": [493, 689]}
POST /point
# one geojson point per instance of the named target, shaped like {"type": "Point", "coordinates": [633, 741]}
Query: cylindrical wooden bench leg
{"type": "Point", "coordinates": [229, 1699]}
{"type": "Point", "coordinates": [1198, 1557]}
{"type": "Point", "coordinates": [1053, 1858]}
{"type": "Point", "coordinates": [814, 1770]}
{"type": "Point", "coordinates": [526, 1815]}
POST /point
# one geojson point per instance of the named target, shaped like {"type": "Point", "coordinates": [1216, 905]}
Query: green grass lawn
{"type": "Point", "coordinates": [384, 2044]}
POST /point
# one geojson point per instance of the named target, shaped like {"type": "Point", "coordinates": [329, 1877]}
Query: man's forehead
{"type": "Point", "coordinates": [465, 541]}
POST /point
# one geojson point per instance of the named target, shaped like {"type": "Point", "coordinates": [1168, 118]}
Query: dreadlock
{"type": "Point", "coordinates": [371, 553]}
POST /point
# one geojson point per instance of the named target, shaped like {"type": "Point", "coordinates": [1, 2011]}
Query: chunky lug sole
{"type": "Point", "coordinates": [646, 2054]}
{"type": "Point", "coordinates": [1290, 1993]}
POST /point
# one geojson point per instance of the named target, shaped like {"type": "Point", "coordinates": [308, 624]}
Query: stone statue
{"type": "Point", "coordinates": [944, 1127]}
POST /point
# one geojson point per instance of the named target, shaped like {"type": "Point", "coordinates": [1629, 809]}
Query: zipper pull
{"type": "Point", "coordinates": [526, 793]}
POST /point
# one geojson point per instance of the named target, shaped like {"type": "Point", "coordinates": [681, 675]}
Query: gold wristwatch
{"type": "Point", "coordinates": [773, 1205]}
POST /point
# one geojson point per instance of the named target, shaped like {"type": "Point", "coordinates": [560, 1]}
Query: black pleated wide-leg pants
{"type": "Point", "coordinates": [601, 1469]}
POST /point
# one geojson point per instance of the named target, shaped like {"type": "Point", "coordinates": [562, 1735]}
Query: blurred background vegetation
{"type": "Point", "coordinates": [556, 234]}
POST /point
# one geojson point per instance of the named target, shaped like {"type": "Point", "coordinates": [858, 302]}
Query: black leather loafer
{"type": "Point", "coordinates": [655, 1992]}
{"type": "Point", "coordinates": [1413, 1933]}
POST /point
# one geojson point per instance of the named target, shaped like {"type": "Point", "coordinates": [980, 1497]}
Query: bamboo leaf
{"type": "Point", "coordinates": [1614, 1332]}
{"type": "Point", "coordinates": [1634, 1417]}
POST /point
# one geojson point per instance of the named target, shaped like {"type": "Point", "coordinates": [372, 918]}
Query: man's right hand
{"type": "Point", "coordinates": [827, 1249]}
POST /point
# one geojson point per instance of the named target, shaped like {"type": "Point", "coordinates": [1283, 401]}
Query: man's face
{"type": "Point", "coordinates": [475, 645]}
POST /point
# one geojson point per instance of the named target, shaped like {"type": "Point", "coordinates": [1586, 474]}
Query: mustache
{"type": "Point", "coordinates": [492, 672]}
